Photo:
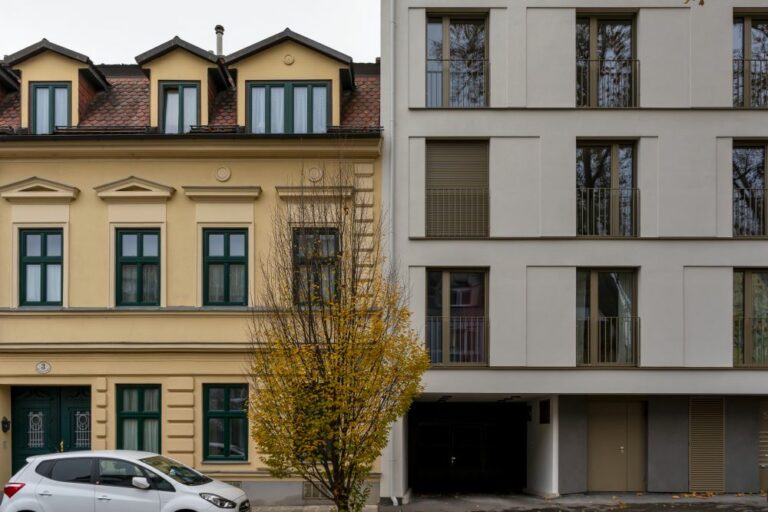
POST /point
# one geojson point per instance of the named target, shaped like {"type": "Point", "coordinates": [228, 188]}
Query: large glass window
{"type": "Point", "coordinates": [41, 267]}
{"type": "Point", "coordinates": [457, 62]}
{"type": "Point", "coordinates": [749, 197]}
{"type": "Point", "coordinates": [225, 422]}
{"type": "Point", "coordinates": [750, 317]}
{"type": "Point", "coordinates": [315, 264]}
{"type": "Point", "coordinates": [180, 107]}
{"type": "Point", "coordinates": [606, 69]}
{"type": "Point", "coordinates": [50, 107]}
{"type": "Point", "coordinates": [138, 267]}
{"type": "Point", "coordinates": [225, 272]}
{"type": "Point", "coordinates": [607, 328]}
{"type": "Point", "coordinates": [457, 322]}
{"type": "Point", "coordinates": [138, 417]}
{"type": "Point", "coordinates": [289, 107]}
{"type": "Point", "coordinates": [606, 197]}
{"type": "Point", "coordinates": [750, 61]}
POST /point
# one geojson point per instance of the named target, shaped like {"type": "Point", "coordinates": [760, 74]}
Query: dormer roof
{"type": "Point", "coordinates": [173, 44]}
{"type": "Point", "coordinates": [288, 35]}
{"type": "Point", "coordinates": [8, 79]}
{"type": "Point", "coordinates": [44, 45]}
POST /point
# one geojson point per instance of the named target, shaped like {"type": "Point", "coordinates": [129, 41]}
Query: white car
{"type": "Point", "coordinates": [116, 481]}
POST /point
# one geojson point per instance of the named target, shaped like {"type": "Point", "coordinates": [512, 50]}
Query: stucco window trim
{"type": "Point", "coordinates": [38, 190]}
{"type": "Point", "coordinates": [15, 280]}
{"type": "Point", "coordinates": [134, 189]}
{"type": "Point", "coordinates": [298, 192]}
{"type": "Point", "coordinates": [250, 242]}
{"type": "Point", "coordinates": [223, 194]}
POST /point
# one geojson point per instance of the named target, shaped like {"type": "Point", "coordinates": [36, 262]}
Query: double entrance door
{"type": "Point", "coordinates": [49, 419]}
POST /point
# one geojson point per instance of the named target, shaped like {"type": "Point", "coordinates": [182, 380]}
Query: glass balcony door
{"type": "Point", "coordinates": [749, 195]}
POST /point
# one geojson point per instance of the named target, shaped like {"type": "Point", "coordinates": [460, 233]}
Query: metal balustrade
{"type": "Point", "coordinates": [608, 341]}
{"type": "Point", "coordinates": [457, 213]}
{"type": "Point", "coordinates": [607, 83]}
{"type": "Point", "coordinates": [457, 83]}
{"type": "Point", "coordinates": [749, 209]}
{"type": "Point", "coordinates": [457, 340]}
{"type": "Point", "coordinates": [750, 83]}
{"type": "Point", "coordinates": [607, 211]}
{"type": "Point", "coordinates": [750, 341]}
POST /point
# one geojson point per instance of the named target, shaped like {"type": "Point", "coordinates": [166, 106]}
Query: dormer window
{"type": "Point", "coordinates": [181, 107]}
{"type": "Point", "coordinates": [288, 107]}
{"type": "Point", "coordinates": [50, 107]}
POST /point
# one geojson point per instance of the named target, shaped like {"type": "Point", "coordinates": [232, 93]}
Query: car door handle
{"type": "Point", "coordinates": [45, 493]}
{"type": "Point", "coordinates": [104, 497]}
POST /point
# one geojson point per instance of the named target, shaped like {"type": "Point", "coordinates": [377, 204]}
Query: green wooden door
{"type": "Point", "coordinates": [49, 419]}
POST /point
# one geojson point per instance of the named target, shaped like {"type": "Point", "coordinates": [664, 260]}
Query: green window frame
{"type": "Point", "coordinates": [183, 123]}
{"type": "Point", "coordinates": [146, 264]}
{"type": "Point", "coordinates": [46, 258]}
{"type": "Point", "coordinates": [52, 87]}
{"type": "Point", "coordinates": [230, 257]}
{"type": "Point", "coordinates": [144, 409]}
{"type": "Point", "coordinates": [315, 266]}
{"type": "Point", "coordinates": [226, 416]}
{"type": "Point", "coordinates": [289, 97]}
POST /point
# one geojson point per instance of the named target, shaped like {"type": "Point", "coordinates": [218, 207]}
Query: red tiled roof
{"type": "Point", "coordinates": [10, 110]}
{"type": "Point", "coordinates": [224, 110]}
{"type": "Point", "coordinates": [360, 107]}
{"type": "Point", "coordinates": [126, 103]}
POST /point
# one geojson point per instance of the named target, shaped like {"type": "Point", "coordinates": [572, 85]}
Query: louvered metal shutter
{"type": "Point", "coordinates": [706, 450]}
{"type": "Point", "coordinates": [457, 189]}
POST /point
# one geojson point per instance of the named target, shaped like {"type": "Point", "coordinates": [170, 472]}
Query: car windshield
{"type": "Point", "coordinates": [176, 470]}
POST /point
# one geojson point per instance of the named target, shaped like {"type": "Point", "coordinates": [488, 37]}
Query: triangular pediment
{"type": "Point", "coordinates": [40, 190]}
{"type": "Point", "coordinates": [133, 188]}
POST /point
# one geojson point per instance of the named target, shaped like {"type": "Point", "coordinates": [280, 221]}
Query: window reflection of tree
{"type": "Point", "coordinates": [749, 190]}
{"type": "Point", "coordinates": [467, 52]}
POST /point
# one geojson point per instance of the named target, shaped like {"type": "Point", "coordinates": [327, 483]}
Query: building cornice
{"type": "Point", "coordinates": [222, 193]}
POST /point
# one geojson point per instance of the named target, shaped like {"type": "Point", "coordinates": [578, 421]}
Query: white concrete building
{"type": "Point", "coordinates": [577, 193]}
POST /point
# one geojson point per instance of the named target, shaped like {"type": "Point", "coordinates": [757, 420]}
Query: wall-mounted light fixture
{"type": "Point", "coordinates": [5, 424]}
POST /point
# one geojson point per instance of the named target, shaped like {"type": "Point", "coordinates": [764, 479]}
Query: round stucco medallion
{"type": "Point", "coordinates": [315, 174]}
{"type": "Point", "coordinates": [43, 367]}
{"type": "Point", "coordinates": [223, 173]}
{"type": "Point", "coordinates": [288, 59]}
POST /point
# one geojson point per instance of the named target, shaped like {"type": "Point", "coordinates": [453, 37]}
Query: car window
{"type": "Point", "coordinates": [118, 473]}
{"type": "Point", "coordinates": [176, 470]}
{"type": "Point", "coordinates": [45, 467]}
{"type": "Point", "coordinates": [72, 470]}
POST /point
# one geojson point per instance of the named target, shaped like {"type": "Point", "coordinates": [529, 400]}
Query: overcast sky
{"type": "Point", "coordinates": [115, 32]}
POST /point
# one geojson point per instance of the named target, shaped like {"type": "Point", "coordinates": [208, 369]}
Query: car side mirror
{"type": "Point", "coordinates": [140, 482]}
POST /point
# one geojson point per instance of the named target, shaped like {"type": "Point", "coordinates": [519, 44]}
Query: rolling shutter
{"type": "Point", "coordinates": [457, 189]}
{"type": "Point", "coordinates": [706, 451]}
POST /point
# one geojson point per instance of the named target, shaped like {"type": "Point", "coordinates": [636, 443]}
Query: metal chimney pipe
{"type": "Point", "coordinates": [219, 40]}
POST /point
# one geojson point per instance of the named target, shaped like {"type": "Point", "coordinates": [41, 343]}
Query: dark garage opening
{"type": "Point", "coordinates": [467, 447]}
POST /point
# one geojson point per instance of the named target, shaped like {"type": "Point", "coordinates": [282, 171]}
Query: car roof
{"type": "Point", "coordinates": [117, 454]}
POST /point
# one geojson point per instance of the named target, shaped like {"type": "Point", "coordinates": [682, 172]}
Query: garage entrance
{"type": "Point", "coordinates": [467, 447]}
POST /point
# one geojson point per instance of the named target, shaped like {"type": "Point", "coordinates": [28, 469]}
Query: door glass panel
{"type": "Point", "coordinates": [583, 313]}
{"type": "Point", "coordinates": [467, 51]}
{"type": "Point", "coordinates": [36, 429]}
{"type": "Point", "coordinates": [467, 322]}
{"type": "Point", "coordinates": [738, 38]}
{"type": "Point", "coordinates": [33, 284]}
{"type": "Point", "coordinates": [53, 245]}
{"type": "Point", "coordinates": [258, 110]}
{"type": "Point", "coordinates": [749, 190]}
{"type": "Point", "coordinates": [42, 111]}
{"type": "Point", "coordinates": [759, 40]}
{"type": "Point", "coordinates": [614, 50]}
{"type": "Point", "coordinates": [593, 183]}
{"type": "Point", "coordinates": [435, 63]}
{"type": "Point", "coordinates": [53, 283]}
{"type": "Point", "coordinates": [61, 107]}
{"type": "Point", "coordinates": [172, 111]}
{"type": "Point", "coordinates": [82, 429]}
{"type": "Point", "coordinates": [34, 244]}
{"type": "Point", "coordinates": [615, 322]}
{"type": "Point", "coordinates": [72, 470]}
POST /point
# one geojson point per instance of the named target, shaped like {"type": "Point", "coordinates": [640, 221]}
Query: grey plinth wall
{"type": "Point", "coordinates": [573, 445]}
{"type": "Point", "coordinates": [668, 444]}
{"type": "Point", "coordinates": [742, 433]}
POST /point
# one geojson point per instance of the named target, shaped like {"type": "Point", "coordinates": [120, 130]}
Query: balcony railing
{"type": "Point", "coordinates": [607, 83]}
{"type": "Point", "coordinates": [750, 83]}
{"type": "Point", "coordinates": [750, 341]}
{"type": "Point", "coordinates": [749, 209]}
{"type": "Point", "coordinates": [457, 340]}
{"type": "Point", "coordinates": [457, 212]}
{"type": "Point", "coordinates": [607, 211]}
{"type": "Point", "coordinates": [457, 83]}
{"type": "Point", "coordinates": [608, 341]}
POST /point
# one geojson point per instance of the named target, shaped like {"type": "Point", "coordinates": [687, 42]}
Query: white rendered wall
{"type": "Point", "coordinates": [542, 452]}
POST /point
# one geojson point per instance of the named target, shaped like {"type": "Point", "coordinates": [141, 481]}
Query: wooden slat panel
{"type": "Point", "coordinates": [706, 464]}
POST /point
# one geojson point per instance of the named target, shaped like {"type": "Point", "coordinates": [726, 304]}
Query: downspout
{"type": "Point", "coordinates": [392, 173]}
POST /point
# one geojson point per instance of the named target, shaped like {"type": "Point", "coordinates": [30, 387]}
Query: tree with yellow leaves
{"type": "Point", "coordinates": [335, 361]}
